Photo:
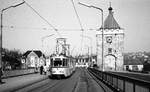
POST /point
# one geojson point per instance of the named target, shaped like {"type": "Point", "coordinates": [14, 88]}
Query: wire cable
{"type": "Point", "coordinates": [77, 15]}
{"type": "Point", "coordinates": [44, 28]}
{"type": "Point", "coordinates": [79, 22]}
{"type": "Point", "coordinates": [42, 18]}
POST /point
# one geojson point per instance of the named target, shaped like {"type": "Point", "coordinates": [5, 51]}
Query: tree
{"type": "Point", "coordinates": [11, 58]}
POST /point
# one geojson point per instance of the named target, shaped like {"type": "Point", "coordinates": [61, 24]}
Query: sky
{"type": "Point", "coordinates": [23, 28]}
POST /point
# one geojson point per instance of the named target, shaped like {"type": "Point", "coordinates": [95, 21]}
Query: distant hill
{"type": "Point", "coordinates": [135, 58]}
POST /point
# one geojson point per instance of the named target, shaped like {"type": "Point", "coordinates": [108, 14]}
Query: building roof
{"type": "Point", "coordinates": [110, 22]}
{"type": "Point", "coordinates": [133, 62]}
{"type": "Point", "coordinates": [27, 53]}
{"type": "Point", "coordinates": [37, 52]}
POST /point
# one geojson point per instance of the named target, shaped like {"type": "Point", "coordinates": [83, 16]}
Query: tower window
{"type": "Point", "coordinates": [109, 50]}
{"type": "Point", "coordinates": [109, 39]}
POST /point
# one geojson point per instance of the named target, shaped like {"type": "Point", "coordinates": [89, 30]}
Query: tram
{"type": "Point", "coordinates": [62, 66]}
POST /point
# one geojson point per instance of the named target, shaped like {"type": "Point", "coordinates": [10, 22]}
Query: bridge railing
{"type": "Point", "coordinates": [120, 83]}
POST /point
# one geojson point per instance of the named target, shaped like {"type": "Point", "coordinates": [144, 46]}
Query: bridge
{"type": "Point", "coordinates": [106, 76]}
{"type": "Point", "coordinates": [82, 80]}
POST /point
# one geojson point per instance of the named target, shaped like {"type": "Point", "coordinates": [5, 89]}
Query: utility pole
{"type": "Point", "coordinates": [1, 28]}
{"type": "Point", "coordinates": [91, 6]}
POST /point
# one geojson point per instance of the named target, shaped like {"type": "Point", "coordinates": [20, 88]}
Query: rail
{"type": "Point", "coordinates": [120, 83]}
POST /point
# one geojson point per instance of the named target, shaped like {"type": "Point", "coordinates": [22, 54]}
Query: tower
{"type": "Point", "coordinates": [60, 46]}
{"type": "Point", "coordinates": [113, 44]}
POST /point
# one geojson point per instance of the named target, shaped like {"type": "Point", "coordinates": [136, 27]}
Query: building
{"type": "Point", "coordinates": [136, 61]}
{"type": "Point", "coordinates": [133, 65]}
{"type": "Point", "coordinates": [113, 44]}
{"type": "Point", "coordinates": [82, 61]}
{"type": "Point", "coordinates": [33, 58]}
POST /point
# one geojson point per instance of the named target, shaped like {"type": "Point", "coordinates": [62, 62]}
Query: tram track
{"type": "Point", "coordinates": [81, 81]}
{"type": "Point", "coordinates": [37, 86]}
{"type": "Point", "coordinates": [52, 86]}
{"type": "Point", "coordinates": [75, 87]}
{"type": "Point", "coordinates": [68, 84]}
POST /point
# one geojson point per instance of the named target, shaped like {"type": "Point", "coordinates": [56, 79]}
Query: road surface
{"type": "Point", "coordinates": [80, 81]}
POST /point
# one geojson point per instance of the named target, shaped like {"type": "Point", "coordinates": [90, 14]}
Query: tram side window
{"type": "Point", "coordinates": [52, 62]}
{"type": "Point", "coordinates": [64, 62]}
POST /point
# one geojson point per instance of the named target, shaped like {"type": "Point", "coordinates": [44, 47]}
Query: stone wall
{"type": "Point", "coordinates": [12, 73]}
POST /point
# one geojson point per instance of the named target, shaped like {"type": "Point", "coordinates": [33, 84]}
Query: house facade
{"type": "Point", "coordinates": [33, 58]}
{"type": "Point", "coordinates": [133, 65]}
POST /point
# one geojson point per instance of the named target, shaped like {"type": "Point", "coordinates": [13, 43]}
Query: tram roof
{"type": "Point", "coordinates": [59, 56]}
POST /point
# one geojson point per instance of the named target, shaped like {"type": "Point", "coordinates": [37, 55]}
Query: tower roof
{"type": "Point", "coordinates": [110, 22]}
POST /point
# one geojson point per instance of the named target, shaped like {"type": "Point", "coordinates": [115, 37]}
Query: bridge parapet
{"type": "Point", "coordinates": [121, 83]}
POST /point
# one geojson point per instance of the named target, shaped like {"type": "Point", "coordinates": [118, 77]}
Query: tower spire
{"type": "Point", "coordinates": [110, 8]}
{"type": "Point", "coordinates": [109, 4]}
{"type": "Point", "coordinates": [110, 22]}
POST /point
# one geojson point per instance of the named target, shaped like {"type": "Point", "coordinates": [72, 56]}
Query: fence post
{"type": "Point", "coordinates": [117, 81]}
{"type": "Point", "coordinates": [133, 87]}
{"type": "Point", "coordinates": [124, 86]}
{"type": "Point", "coordinates": [112, 79]}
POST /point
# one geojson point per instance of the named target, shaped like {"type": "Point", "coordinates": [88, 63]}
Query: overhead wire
{"type": "Point", "coordinates": [44, 28]}
{"type": "Point", "coordinates": [42, 17]}
{"type": "Point", "coordinates": [77, 15]}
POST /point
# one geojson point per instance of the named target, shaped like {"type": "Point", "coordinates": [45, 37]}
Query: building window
{"type": "Point", "coordinates": [109, 50]}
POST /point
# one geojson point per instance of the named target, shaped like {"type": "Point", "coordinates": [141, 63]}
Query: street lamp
{"type": "Point", "coordinates": [91, 6]}
{"type": "Point", "coordinates": [1, 27]}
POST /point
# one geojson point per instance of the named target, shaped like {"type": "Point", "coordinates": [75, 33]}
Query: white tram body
{"type": "Point", "coordinates": [62, 66]}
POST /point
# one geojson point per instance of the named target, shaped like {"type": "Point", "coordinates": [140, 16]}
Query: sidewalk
{"type": "Point", "coordinates": [14, 83]}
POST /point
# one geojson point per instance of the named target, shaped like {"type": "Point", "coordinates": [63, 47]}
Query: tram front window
{"type": "Point", "coordinates": [58, 63]}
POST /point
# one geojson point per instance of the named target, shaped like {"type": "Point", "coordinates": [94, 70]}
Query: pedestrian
{"type": "Point", "coordinates": [50, 68]}
{"type": "Point", "coordinates": [1, 74]}
{"type": "Point", "coordinates": [45, 69]}
{"type": "Point", "coordinates": [41, 70]}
